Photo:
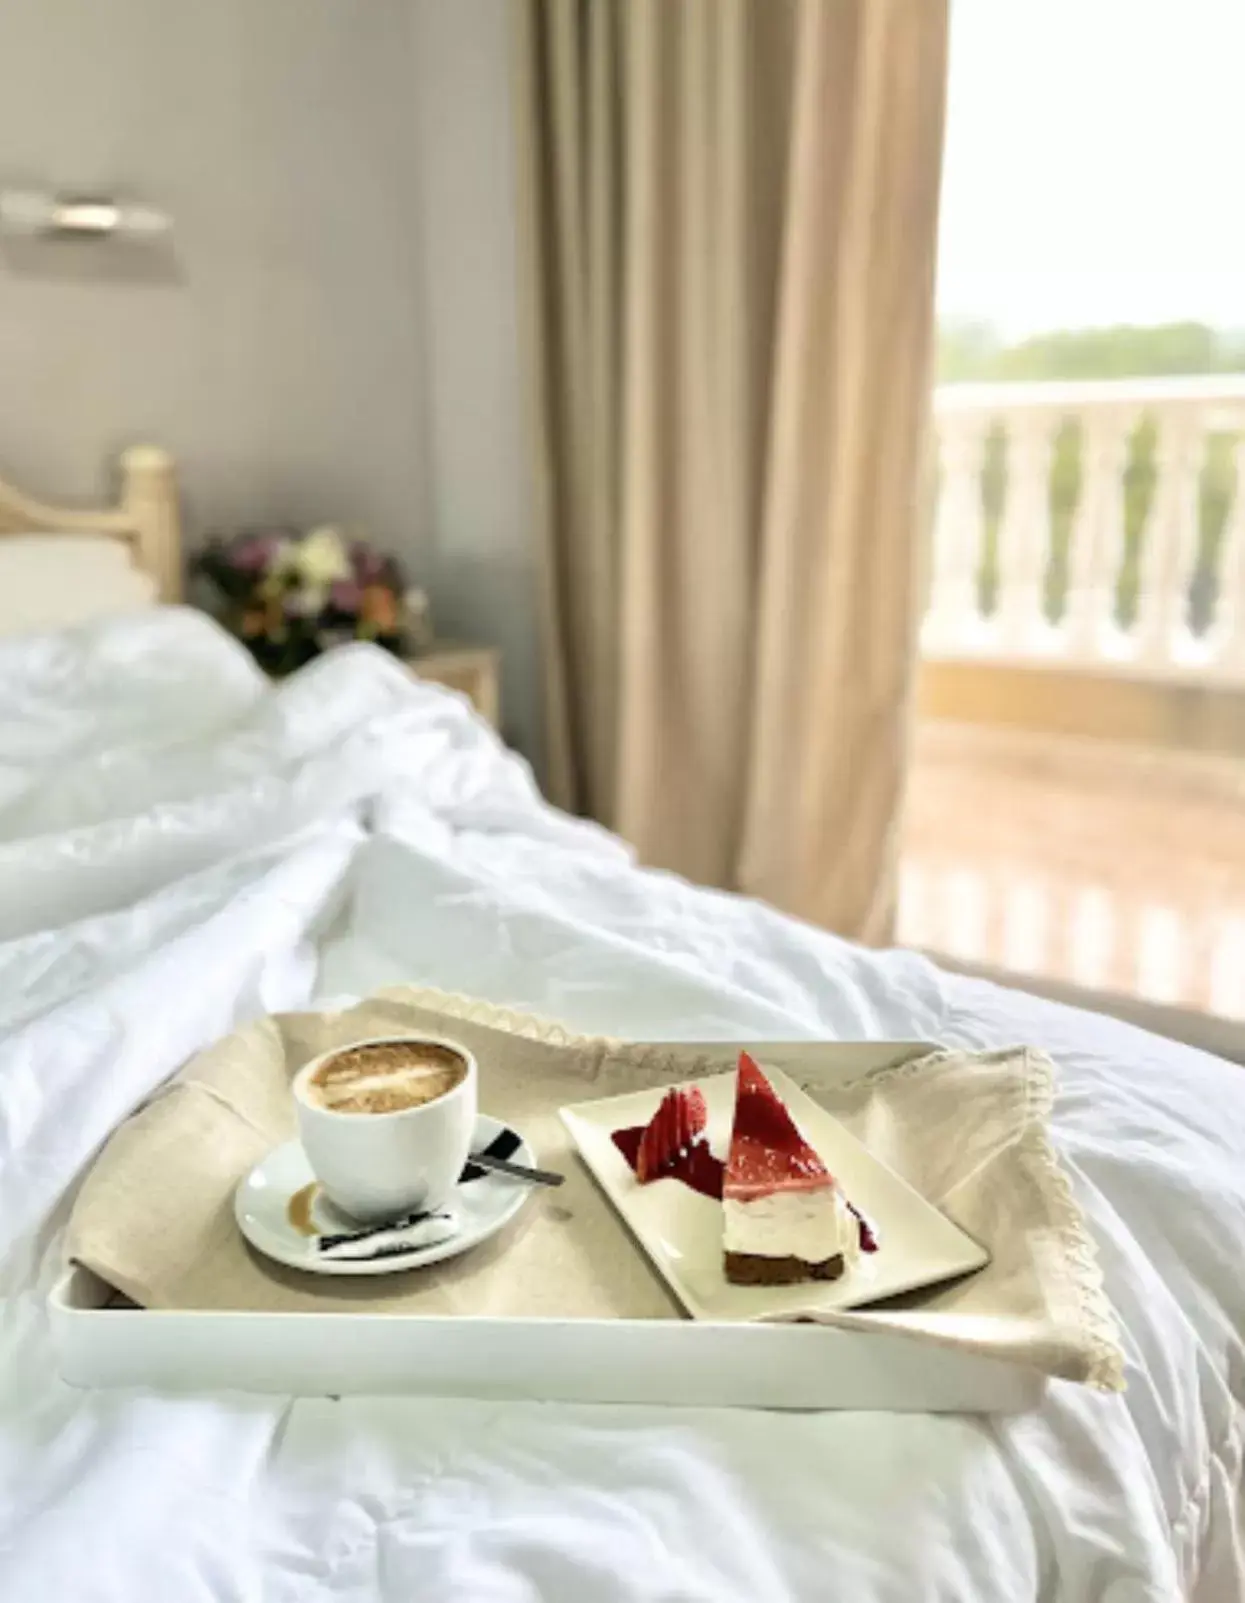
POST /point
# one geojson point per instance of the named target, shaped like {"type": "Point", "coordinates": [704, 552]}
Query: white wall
{"type": "Point", "coordinates": [332, 333]}
{"type": "Point", "coordinates": [478, 462]}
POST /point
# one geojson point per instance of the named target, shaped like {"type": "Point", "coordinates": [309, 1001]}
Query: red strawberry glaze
{"type": "Point", "coordinates": [768, 1153]}
{"type": "Point", "coordinates": [868, 1234]}
{"type": "Point", "coordinates": [671, 1144]}
{"type": "Point", "coordinates": [696, 1167]}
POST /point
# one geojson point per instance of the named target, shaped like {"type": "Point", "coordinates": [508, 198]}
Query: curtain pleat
{"type": "Point", "coordinates": [731, 212]}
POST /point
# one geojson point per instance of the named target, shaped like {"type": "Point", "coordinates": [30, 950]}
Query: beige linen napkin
{"type": "Point", "coordinates": [155, 1220]}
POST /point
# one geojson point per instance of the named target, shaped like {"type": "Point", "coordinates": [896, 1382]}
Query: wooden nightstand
{"type": "Point", "coordinates": [475, 670]}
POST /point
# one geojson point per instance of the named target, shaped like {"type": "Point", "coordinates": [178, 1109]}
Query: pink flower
{"type": "Point", "coordinates": [254, 552]}
{"type": "Point", "coordinates": [368, 564]}
{"type": "Point", "coordinates": [344, 595]}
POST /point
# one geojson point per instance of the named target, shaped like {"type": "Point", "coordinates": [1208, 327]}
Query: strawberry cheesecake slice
{"type": "Point", "coordinates": [786, 1218]}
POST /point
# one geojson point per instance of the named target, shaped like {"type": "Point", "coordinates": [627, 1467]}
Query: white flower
{"type": "Point", "coordinates": [320, 558]}
{"type": "Point", "coordinates": [306, 601]}
{"type": "Point", "coordinates": [282, 555]}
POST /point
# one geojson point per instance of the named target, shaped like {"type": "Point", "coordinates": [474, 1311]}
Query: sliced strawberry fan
{"type": "Point", "coordinates": [669, 1133]}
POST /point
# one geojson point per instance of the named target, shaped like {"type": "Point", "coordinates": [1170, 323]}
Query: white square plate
{"type": "Point", "coordinates": [682, 1231]}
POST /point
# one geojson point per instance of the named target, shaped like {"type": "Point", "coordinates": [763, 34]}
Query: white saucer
{"type": "Point", "coordinates": [482, 1204]}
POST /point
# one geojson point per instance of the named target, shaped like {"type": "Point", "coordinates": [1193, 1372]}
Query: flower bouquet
{"type": "Point", "coordinates": [290, 596]}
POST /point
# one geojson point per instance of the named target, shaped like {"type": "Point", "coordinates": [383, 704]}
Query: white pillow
{"type": "Point", "coordinates": [51, 581]}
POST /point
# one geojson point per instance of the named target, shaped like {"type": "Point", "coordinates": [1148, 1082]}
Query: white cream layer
{"type": "Point", "coordinates": [812, 1225]}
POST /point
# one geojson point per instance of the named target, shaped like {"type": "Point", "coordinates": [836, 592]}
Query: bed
{"type": "Point", "coordinates": [63, 564]}
{"type": "Point", "coordinates": [183, 846]}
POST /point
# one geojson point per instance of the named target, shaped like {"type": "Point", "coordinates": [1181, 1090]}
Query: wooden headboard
{"type": "Point", "coordinates": [146, 517]}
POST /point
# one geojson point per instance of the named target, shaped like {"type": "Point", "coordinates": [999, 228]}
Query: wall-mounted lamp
{"type": "Point", "coordinates": [41, 215]}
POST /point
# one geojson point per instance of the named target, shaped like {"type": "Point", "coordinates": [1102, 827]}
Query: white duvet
{"type": "Point", "coordinates": [181, 847]}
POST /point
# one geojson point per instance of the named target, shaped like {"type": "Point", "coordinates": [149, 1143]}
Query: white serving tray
{"type": "Point", "coordinates": [664, 1361]}
{"type": "Point", "coordinates": [671, 1361]}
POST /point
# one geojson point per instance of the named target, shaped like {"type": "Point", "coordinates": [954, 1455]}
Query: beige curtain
{"type": "Point", "coordinates": [730, 211]}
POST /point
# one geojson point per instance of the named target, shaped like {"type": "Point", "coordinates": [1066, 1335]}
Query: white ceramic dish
{"type": "Point", "coordinates": [261, 1207]}
{"type": "Point", "coordinates": [682, 1231]}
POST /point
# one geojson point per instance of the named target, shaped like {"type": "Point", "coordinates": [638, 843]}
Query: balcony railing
{"type": "Point", "coordinates": [1098, 525]}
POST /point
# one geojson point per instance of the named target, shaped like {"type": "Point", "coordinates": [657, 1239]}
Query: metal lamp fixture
{"type": "Point", "coordinates": [39, 214]}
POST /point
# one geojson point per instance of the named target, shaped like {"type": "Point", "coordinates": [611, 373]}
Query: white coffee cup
{"type": "Point", "coordinates": [381, 1165]}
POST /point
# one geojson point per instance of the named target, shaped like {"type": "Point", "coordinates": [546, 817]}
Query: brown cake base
{"type": "Point", "coordinates": [751, 1269]}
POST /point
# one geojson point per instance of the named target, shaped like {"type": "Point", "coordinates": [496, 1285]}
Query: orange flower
{"type": "Point", "coordinates": [253, 622]}
{"type": "Point", "coordinates": [378, 606]}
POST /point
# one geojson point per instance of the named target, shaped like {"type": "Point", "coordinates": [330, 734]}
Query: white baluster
{"type": "Point", "coordinates": [1160, 943]}
{"type": "Point", "coordinates": [953, 621]}
{"type": "Point", "coordinates": [1227, 988]}
{"type": "Point", "coordinates": [1061, 911]}
{"type": "Point", "coordinates": [1227, 631]}
{"type": "Point", "coordinates": [1097, 535]}
{"type": "Point", "coordinates": [1026, 926]}
{"type": "Point", "coordinates": [966, 914]}
{"type": "Point", "coordinates": [1090, 935]}
{"type": "Point", "coordinates": [914, 911]}
{"type": "Point", "coordinates": [1024, 535]}
{"type": "Point", "coordinates": [1169, 543]}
